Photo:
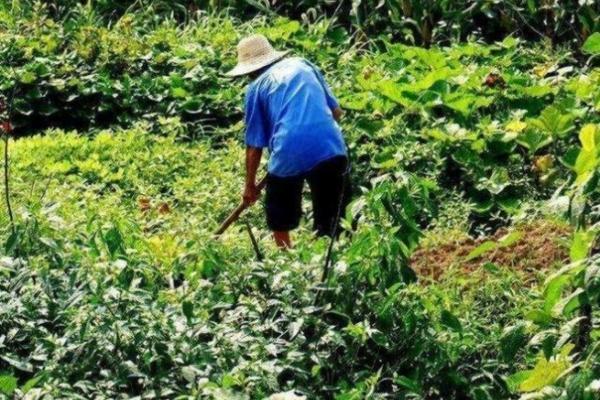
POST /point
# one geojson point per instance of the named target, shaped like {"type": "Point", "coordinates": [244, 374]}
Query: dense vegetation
{"type": "Point", "coordinates": [126, 154]}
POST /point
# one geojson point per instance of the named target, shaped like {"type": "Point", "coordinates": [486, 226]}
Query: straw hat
{"type": "Point", "coordinates": [255, 52]}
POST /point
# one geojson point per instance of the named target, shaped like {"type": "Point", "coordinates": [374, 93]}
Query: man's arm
{"type": "Point", "coordinates": [253, 156]}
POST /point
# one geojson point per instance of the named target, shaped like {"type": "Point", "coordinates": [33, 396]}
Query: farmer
{"type": "Point", "coordinates": [290, 110]}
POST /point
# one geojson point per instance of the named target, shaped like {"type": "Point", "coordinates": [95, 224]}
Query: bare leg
{"type": "Point", "coordinates": [282, 239]}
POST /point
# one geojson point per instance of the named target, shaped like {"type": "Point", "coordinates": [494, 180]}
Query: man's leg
{"type": "Point", "coordinates": [283, 205]}
{"type": "Point", "coordinates": [331, 192]}
{"type": "Point", "coordinates": [282, 239]}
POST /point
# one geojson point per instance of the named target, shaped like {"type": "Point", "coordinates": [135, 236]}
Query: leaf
{"type": "Point", "coordinates": [355, 101]}
{"type": "Point", "coordinates": [192, 106]}
{"type": "Point", "coordinates": [460, 102]}
{"type": "Point", "coordinates": [537, 91]}
{"type": "Point", "coordinates": [408, 274]}
{"type": "Point", "coordinates": [554, 121]}
{"type": "Point", "coordinates": [534, 140]}
{"type": "Point", "coordinates": [581, 245]}
{"type": "Point", "coordinates": [448, 319]}
{"type": "Point", "coordinates": [410, 384]}
{"type": "Point", "coordinates": [18, 364]}
{"type": "Point", "coordinates": [11, 242]}
{"type": "Point", "coordinates": [589, 137]}
{"type": "Point", "coordinates": [510, 239]}
{"type": "Point", "coordinates": [553, 291]}
{"type": "Point", "coordinates": [592, 44]}
{"type": "Point", "coordinates": [540, 317]}
{"type": "Point", "coordinates": [187, 307]}
{"type": "Point", "coordinates": [516, 126]}
{"type": "Point", "coordinates": [592, 272]}
{"type": "Point", "coordinates": [585, 166]}
{"type": "Point", "coordinates": [481, 249]}
{"type": "Point", "coordinates": [114, 241]}
{"type": "Point", "coordinates": [28, 77]}
{"type": "Point", "coordinates": [295, 327]}
{"type": "Point", "coordinates": [491, 267]}
{"type": "Point", "coordinates": [513, 339]}
{"type": "Point", "coordinates": [8, 384]}
{"type": "Point", "coordinates": [568, 304]}
{"type": "Point", "coordinates": [394, 92]}
{"type": "Point", "coordinates": [179, 92]}
{"type": "Point", "coordinates": [545, 373]}
{"type": "Point", "coordinates": [515, 380]}
{"type": "Point", "coordinates": [31, 383]}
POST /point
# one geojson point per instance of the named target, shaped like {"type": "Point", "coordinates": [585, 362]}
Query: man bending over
{"type": "Point", "coordinates": [290, 110]}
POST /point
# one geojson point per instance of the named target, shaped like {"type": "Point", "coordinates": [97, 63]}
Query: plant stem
{"type": "Point", "coordinates": [6, 184]}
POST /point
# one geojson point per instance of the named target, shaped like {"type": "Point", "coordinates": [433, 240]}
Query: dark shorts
{"type": "Point", "coordinates": [330, 192]}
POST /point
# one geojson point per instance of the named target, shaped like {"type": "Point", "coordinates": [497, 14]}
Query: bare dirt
{"type": "Point", "coordinates": [540, 246]}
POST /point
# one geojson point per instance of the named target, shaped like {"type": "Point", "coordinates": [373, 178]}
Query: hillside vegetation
{"type": "Point", "coordinates": [468, 269]}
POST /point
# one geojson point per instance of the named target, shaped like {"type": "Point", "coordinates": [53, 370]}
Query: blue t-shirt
{"type": "Point", "coordinates": [289, 110]}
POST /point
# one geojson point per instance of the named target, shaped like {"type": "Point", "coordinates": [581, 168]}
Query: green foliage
{"type": "Point", "coordinates": [545, 373]}
{"type": "Point", "coordinates": [8, 384]}
{"type": "Point", "coordinates": [592, 44]}
{"type": "Point", "coordinates": [112, 284]}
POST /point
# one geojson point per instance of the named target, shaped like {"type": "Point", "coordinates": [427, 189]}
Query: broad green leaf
{"type": "Point", "coordinates": [515, 380]}
{"type": "Point", "coordinates": [585, 166]}
{"type": "Point", "coordinates": [31, 383]}
{"type": "Point", "coordinates": [545, 373]}
{"type": "Point", "coordinates": [28, 77]}
{"type": "Point", "coordinates": [538, 90]}
{"type": "Point", "coordinates": [192, 106]}
{"type": "Point", "coordinates": [568, 304]}
{"type": "Point", "coordinates": [513, 339]}
{"type": "Point", "coordinates": [188, 310]}
{"type": "Point", "coordinates": [394, 92]}
{"type": "Point", "coordinates": [114, 241]}
{"type": "Point", "coordinates": [582, 244]}
{"type": "Point", "coordinates": [510, 204]}
{"type": "Point", "coordinates": [497, 182]}
{"type": "Point", "coordinates": [491, 267]}
{"type": "Point", "coordinates": [510, 238]}
{"type": "Point", "coordinates": [571, 270]}
{"type": "Point", "coordinates": [408, 383]}
{"type": "Point", "coordinates": [179, 92]}
{"type": "Point", "coordinates": [448, 319]}
{"type": "Point", "coordinates": [355, 101]}
{"type": "Point", "coordinates": [429, 79]}
{"type": "Point", "coordinates": [540, 317]}
{"type": "Point", "coordinates": [534, 140]}
{"type": "Point", "coordinates": [462, 103]}
{"type": "Point", "coordinates": [553, 291]}
{"type": "Point", "coordinates": [516, 126]}
{"type": "Point", "coordinates": [8, 384]}
{"type": "Point", "coordinates": [481, 249]}
{"type": "Point", "coordinates": [510, 42]}
{"type": "Point", "coordinates": [554, 121]}
{"type": "Point", "coordinates": [434, 58]}
{"type": "Point", "coordinates": [589, 137]}
{"type": "Point", "coordinates": [592, 44]}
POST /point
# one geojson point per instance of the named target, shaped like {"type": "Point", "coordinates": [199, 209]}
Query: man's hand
{"type": "Point", "coordinates": [250, 195]}
{"type": "Point", "coordinates": [337, 114]}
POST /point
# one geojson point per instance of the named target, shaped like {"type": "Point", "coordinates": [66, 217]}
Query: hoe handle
{"type": "Point", "coordinates": [238, 211]}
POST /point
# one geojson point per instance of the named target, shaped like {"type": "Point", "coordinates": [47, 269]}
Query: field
{"type": "Point", "coordinates": [469, 267]}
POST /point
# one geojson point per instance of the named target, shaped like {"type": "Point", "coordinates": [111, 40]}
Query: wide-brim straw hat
{"type": "Point", "coordinates": [254, 53]}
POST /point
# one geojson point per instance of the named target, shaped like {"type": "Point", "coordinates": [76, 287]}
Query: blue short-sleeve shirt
{"type": "Point", "coordinates": [289, 110]}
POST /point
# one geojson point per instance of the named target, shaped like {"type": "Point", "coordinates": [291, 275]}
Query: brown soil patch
{"type": "Point", "coordinates": [540, 246]}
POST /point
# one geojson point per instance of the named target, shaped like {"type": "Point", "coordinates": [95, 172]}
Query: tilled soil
{"type": "Point", "coordinates": [540, 246]}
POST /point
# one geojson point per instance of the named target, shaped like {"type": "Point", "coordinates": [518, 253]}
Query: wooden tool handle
{"type": "Point", "coordinates": [238, 210]}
